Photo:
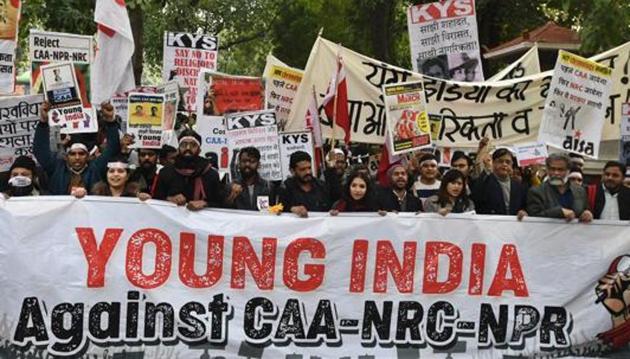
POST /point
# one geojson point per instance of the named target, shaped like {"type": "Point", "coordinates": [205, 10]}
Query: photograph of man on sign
{"type": "Point", "coordinates": [462, 67]}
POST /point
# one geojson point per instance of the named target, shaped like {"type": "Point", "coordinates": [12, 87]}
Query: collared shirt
{"type": "Point", "coordinates": [506, 187]}
{"type": "Point", "coordinates": [611, 206]}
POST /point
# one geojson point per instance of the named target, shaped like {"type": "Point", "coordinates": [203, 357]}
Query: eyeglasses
{"type": "Point", "coordinates": [188, 144]}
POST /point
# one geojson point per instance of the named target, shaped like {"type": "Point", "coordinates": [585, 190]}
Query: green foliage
{"type": "Point", "coordinates": [249, 29]}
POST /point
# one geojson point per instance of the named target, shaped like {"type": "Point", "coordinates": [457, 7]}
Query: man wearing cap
{"type": "Point", "coordinates": [22, 178]}
{"type": "Point", "coordinates": [463, 67]}
{"type": "Point", "coordinates": [333, 174]}
{"type": "Point", "coordinates": [611, 199]}
{"type": "Point", "coordinates": [496, 193]}
{"type": "Point", "coordinates": [75, 170]}
{"type": "Point", "coordinates": [396, 198]}
{"type": "Point", "coordinates": [191, 180]}
{"type": "Point", "coordinates": [557, 197]}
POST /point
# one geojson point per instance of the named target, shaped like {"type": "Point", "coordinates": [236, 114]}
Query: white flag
{"type": "Point", "coordinates": [112, 71]}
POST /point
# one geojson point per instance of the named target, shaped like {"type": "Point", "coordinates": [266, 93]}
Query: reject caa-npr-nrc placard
{"type": "Point", "coordinates": [143, 277]}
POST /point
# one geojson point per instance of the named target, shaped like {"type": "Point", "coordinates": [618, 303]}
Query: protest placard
{"type": "Point", "coordinates": [443, 40]}
{"type": "Point", "coordinates": [407, 119]}
{"type": "Point", "coordinates": [121, 104]}
{"type": "Point", "coordinates": [145, 114]}
{"type": "Point", "coordinates": [184, 55]}
{"type": "Point", "coordinates": [624, 143]}
{"type": "Point", "coordinates": [291, 142]}
{"type": "Point", "coordinates": [508, 112]}
{"type": "Point", "coordinates": [221, 94]}
{"type": "Point", "coordinates": [530, 154]}
{"type": "Point", "coordinates": [61, 90]}
{"type": "Point", "coordinates": [257, 129]}
{"type": "Point", "coordinates": [171, 97]}
{"type": "Point", "coordinates": [9, 16]}
{"type": "Point", "coordinates": [281, 84]}
{"type": "Point", "coordinates": [286, 287]}
{"type": "Point", "coordinates": [52, 47]}
{"type": "Point", "coordinates": [214, 142]}
{"type": "Point", "coordinates": [19, 116]}
{"type": "Point", "coordinates": [576, 105]}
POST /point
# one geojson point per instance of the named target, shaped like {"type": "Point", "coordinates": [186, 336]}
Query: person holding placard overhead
{"type": "Point", "coordinates": [74, 171]}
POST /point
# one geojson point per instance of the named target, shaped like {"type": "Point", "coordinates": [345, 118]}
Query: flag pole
{"type": "Point", "coordinates": [320, 148]}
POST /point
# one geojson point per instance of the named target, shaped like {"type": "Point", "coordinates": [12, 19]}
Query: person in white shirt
{"type": "Point", "coordinates": [611, 199]}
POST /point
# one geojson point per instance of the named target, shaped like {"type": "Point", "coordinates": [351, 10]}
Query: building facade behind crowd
{"type": "Point", "coordinates": [107, 164]}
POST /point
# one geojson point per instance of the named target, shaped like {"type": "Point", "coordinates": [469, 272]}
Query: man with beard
{"type": "Point", "coordinates": [191, 180]}
{"type": "Point", "coordinates": [396, 198]}
{"type": "Point", "coordinates": [145, 175]}
{"type": "Point", "coordinates": [333, 174]}
{"type": "Point", "coordinates": [497, 193]}
{"type": "Point", "coordinates": [246, 191]}
{"type": "Point", "coordinates": [22, 178]}
{"type": "Point", "coordinates": [611, 200]}
{"type": "Point", "coordinates": [302, 192]}
{"type": "Point", "coordinates": [557, 197]}
{"type": "Point", "coordinates": [75, 170]}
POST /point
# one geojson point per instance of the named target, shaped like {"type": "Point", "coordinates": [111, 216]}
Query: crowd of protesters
{"type": "Point", "coordinates": [105, 164]}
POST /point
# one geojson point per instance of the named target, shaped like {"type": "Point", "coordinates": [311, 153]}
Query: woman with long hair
{"type": "Point", "coordinates": [117, 182]}
{"type": "Point", "coordinates": [451, 197]}
{"type": "Point", "coordinates": [357, 195]}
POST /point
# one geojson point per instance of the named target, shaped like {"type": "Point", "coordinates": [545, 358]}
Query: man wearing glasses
{"type": "Point", "coordinates": [191, 180]}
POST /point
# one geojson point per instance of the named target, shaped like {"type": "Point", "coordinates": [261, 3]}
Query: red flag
{"type": "Point", "coordinates": [336, 100]}
{"type": "Point", "coordinates": [385, 162]}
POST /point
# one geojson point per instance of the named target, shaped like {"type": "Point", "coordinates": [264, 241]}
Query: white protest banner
{"type": "Point", "coordinates": [506, 111]}
{"type": "Point", "coordinates": [624, 143]}
{"type": "Point", "coordinates": [291, 142]}
{"type": "Point", "coordinates": [145, 115]}
{"type": "Point", "coordinates": [407, 119]}
{"type": "Point", "coordinates": [222, 93]}
{"type": "Point", "coordinates": [52, 47]}
{"type": "Point", "coordinates": [281, 84]}
{"type": "Point", "coordinates": [147, 278]}
{"type": "Point", "coordinates": [576, 105]}
{"type": "Point", "coordinates": [526, 65]}
{"type": "Point", "coordinates": [214, 141]}
{"type": "Point", "coordinates": [9, 26]}
{"type": "Point", "coordinates": [184, 56]}
{"type": "Point", "coordinates": [256, 129]}
{"type": "Point", "coordinates": [19, 116]}
{"type": "Point", "coordinates": [530, 154]}
{"type": "Point", "coordinates": [443, 40]}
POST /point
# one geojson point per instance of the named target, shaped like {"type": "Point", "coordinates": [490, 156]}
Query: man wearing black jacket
{"type": "Point", "coordinates": [611, 198]}
{"type": "Point", "coordinates": [302, 192]}
{"type": "Point", "coordinates": [496, 193]}
{"type": "Point", "coordinates": [249, 190]}
{"type": "Point", "coordinates": [397, 198]}
{"type": "Point", "coordinates": [191, 180]}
